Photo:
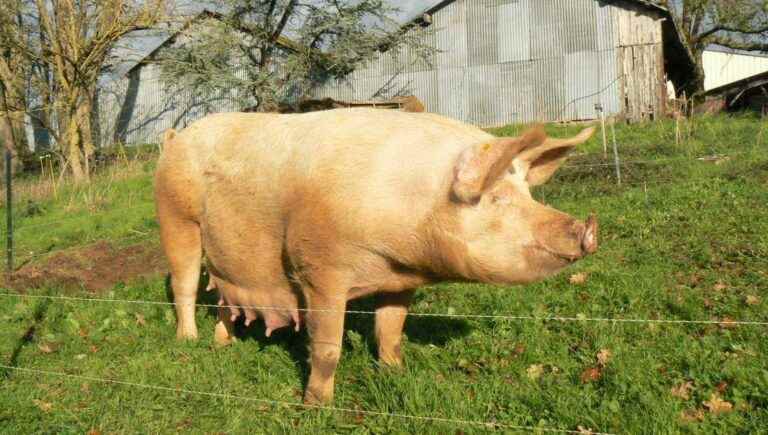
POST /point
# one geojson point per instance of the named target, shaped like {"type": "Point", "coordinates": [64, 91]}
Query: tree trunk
{"type": "Point", "coordinates": [72, 144]}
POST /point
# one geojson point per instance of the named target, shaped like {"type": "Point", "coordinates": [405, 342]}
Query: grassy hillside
{"type": "Point", "coordinates": [681, 238]}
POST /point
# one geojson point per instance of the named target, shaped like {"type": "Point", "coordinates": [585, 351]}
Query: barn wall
{"type": "Point", "coordinates": [724, 68]}
{"type": "Point", "coordinates": [139, 108]}
{"type": "Point", "coordinates": [506, 61]}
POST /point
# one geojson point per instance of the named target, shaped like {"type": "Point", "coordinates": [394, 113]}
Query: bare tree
{"type": "Point", "coordinates": [64, 44]}
{"type": "Point", "coordinates": [265, 53]}
{"type": "Point", "coordinates": [738, 24]}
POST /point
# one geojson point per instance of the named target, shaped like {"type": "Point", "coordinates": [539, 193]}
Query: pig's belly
{"type": "Point", "coordinates": [245, 263]}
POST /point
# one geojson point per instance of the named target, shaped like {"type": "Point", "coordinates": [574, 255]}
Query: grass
{"type": "Point", "coordinates": [681, 239]}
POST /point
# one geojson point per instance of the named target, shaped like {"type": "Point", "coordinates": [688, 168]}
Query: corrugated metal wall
{"type": "Point", "coordinates": [140, 107]}
{"type": "Point", "coordinates": [499, 62]}
{"type": "Point", "coordinates": [722, 68]}
{"type": "Point", "coordinates": [505, 61]}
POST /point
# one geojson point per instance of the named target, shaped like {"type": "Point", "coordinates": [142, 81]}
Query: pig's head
{"type": "Point", "coordinates": [507, 236]}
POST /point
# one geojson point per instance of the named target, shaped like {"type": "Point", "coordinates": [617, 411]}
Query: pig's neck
{"type": "Point", "coordinates": [446, 253]}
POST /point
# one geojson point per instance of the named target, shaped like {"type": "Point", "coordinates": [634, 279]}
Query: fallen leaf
{"type": "Point", "coordinates": [682, 391]}
{"type": "Point", "coordinates": [691, 415]}
{"type": "Point", "coordinates": [535, 371]}
{"type": "Point", "coordinates": [716, 405]}
{"type": "Point", "coordinates": [752, 300]}
{"type": "Point", "coordinates": [94, 349]}
{"type": "Point", "coordinates": [719, 287]}
{"type": "Point", "coordinates": [727, 323]}
{"type": "Point", "coordinates": [44, 406]}
{"type": "Point", "coordinates": [578, 278]}
{"type": "Point", "coordinates": [519, 349]}
{"type": "Point", "coordinates": [603, 357]}
{"type": "Point", "coordinates": [722, 386]}
{"type": "Point", "coordinates": [140, 319]}
{"type": "Point", "coordinates": [45, 348]}
{"type": "Point", "coordinates": [94, 432]}
{"type": "Point", "coordinates": [590, 375]}
{"type": "Point", "coordinates": [708, 303]}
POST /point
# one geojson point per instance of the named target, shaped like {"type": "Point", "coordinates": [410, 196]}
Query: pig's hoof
{"type": "Point", "coordinates": [313, 398]}
{"type": "Point", "coordinates": [186, 334]}
{"type": "Point", "coordinates": [222, 337]}
{"type": "Point", "coordinates": [392, 362]}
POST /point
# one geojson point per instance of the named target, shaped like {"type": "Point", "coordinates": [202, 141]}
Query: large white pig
{"type": "Point", "coordinates": [312, 210]}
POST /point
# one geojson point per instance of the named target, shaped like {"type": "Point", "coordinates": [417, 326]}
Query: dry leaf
{"type": "Point", "coordinates": [535, 371]}
{"type": "Point", "coordinates": [140, 319]}
{"type": "Point", "coordinates": [45, 348]}
{"type": "Point", "coordinates": [94, 432]}
{"type": "Point", "coordinates": [44, 406]}
{"type": "Point", "coordinates": [94, 349]}
{"type": "Point", "coordinates": [708, 303]}
{"type": "Point", "coordinates": [578, 278]}
{"type": "Point", "coordinates": [719, 287]}
{"type": "Point", "coordinates": [716, 405]}
{"type": "Point", "coordinates": [722, 386]}
{"type": "Point", "coordinates": [727, 323]}
{"type": "Point", "coordinates": [603, 357]}
{"type": "Point", "coordinates": [752, 300]}
{"type": "Point", "coordinates": [590, 375]}
{"type": "Point", "coordinates": [519, 349]}
{"type": "Point", "coordinates": [682, 391]}
{"type": "Point", "coordinates": [691, 415]}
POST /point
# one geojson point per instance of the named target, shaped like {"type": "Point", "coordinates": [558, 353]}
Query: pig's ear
{"type": "Point", "coordinates": [541, 162]}
{"type": "Point", "coordinates": [481, 166]}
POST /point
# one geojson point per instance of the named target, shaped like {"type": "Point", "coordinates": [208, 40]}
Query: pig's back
{"type": "Point", "coordinates": [364, 164]}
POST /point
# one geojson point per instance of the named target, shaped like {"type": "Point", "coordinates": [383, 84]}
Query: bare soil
{"type": "Point", "coordinates": [95, 268]}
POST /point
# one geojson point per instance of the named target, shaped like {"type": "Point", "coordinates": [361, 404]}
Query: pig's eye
{"type": "Point", "coordinates": [512, 170]}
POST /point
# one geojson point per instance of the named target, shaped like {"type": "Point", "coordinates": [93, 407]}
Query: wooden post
{"type": "Point", "coordinates": [599, 108]}
{"type": "Point", "coordinates": [616, 155]}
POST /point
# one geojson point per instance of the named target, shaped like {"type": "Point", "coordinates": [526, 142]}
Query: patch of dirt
{"type": "Point", "coordinates": [95, 268]}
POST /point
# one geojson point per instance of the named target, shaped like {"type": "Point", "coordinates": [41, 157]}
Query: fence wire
{"type": "Point", "coordinates": [177, 390]}
{"type": "Point", "coordinates": [513, 317]}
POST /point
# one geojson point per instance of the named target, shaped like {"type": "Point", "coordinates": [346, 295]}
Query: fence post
{"type": "Point", "coordinates": [8, 212]}
{"type": "Point", "coordinates": [599, 108]}
{"type": "Point", "coordinates": [616, 153]}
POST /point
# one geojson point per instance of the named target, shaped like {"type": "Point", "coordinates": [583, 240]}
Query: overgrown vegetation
{"type": "Point", "coordinates": [681, 238]}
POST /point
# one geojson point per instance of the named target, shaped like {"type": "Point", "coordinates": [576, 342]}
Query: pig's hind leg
{"type": "Point", "coordinates": [181, 243]}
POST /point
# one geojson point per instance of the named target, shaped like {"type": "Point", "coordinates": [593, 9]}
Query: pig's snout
{"type": "Point", "coordinates": [589, 236]}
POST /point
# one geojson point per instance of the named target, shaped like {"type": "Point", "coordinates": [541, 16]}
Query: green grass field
{"type": "Point", "coordinates": [681, 238]}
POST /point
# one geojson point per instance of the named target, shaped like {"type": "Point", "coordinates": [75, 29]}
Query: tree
{"type": "Point", "coordinates": [62, 46]}
{"type": "Point", "coordinates": [738, 24]}
{"type": "Point", "coordinates": [13, 71]}
{"type": "Point", "coordinates": [265, 53]}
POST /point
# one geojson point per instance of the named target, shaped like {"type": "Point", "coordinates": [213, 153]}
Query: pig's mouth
{"type": "Point", "coordinates": [587, 244]}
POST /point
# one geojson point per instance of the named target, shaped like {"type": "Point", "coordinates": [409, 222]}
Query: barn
{"type": "Point", "coordinates": [498, 62]}
{"type": "Point", "coordinates": [507, 61]}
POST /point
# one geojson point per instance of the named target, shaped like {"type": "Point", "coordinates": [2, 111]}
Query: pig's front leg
{"type": "Point", "coordinates": [325, 324]}
{"type": "Point", "coordinates": [391, 310]}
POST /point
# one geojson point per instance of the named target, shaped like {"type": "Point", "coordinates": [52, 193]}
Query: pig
{"type": "Point", "coordinates": [300, 213]}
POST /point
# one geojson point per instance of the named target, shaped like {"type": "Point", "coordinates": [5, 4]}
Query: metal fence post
{"type": "Point", "coordinates": [8, 212]}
